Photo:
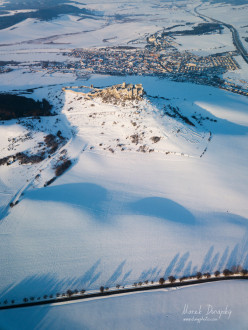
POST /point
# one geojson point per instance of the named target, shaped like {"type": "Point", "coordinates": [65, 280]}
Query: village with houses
{"type": "Point", "coordinates": [160, 57]}
{"type": "Point", "coordinates": [123, 164]}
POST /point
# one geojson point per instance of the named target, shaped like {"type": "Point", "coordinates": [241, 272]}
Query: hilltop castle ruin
{"type": "Point", "coordinates": [119, 92]}
{"type": "Point", "coordinates": [122, 91]}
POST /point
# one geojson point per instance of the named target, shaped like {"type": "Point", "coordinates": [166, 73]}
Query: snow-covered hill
{"type": "Point", "coordinates": [106, 193]}
{"type": "Point", "coordinates": [119, 214]}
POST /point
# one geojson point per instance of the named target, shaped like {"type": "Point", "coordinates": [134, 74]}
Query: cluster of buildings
{"type": "Point", "coordinates": [159, 42]}
{"type": "Point", "coordinates": [208, 64]}
{"type": "Point", "coordinates": [160, 57]}
{"type": "Point", "coordinates": [181, 66]}
{"type": "Point", "coordinates": [119, 92]}
{"type": "Point", "coordinates": [144, 62]}
{"type": "Point", "coordinates": [234, 88]}
{"type": "Point", "coordinates": [118, 61]}
{"type": "Point", "coordinates": [4, 69]}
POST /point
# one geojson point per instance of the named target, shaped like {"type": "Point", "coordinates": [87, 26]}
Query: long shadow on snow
{"type": "Point", "coordinates": [124, 280]}
{"type": "Point", "coordinates": [171, 266]}
{"type": "Point", "coordinates": [40, 285]}
{"type": "Point", "coordinates": [116, 275]}
{"type": "Point", "coordinates": [181, 263]}
{"type": "Point", "coordinates": [88, 278]}
{"type": "Point", "coordinates": [231, 219]}
{"type": "Point", "coordinates": [178, 266]}
{"type": "Point", "coordinates": [222, 126]}
{"type": "Point", "coordinates": [94, 198]}
{"type": "Point", "coordinates": [88, 196]}
{"type": "Point", "coordinates": [162, 208]}
{"type": "Point", "coordinates": [48, 284]}
{"type": "Point", "coordinates": [32, 286]}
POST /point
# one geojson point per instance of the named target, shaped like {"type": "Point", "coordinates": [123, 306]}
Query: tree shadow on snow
{"type": "Point", "coordinates": [116, 275]}
{"type": "Point", "coordinates": [49, 285]}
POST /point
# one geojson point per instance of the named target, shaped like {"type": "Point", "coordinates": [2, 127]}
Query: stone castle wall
{"type": "Point", "coordinates": [121, 91]}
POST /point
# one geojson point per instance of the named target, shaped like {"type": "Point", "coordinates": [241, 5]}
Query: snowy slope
{"type": "Point", "coordinates": [121, 216]}
{"type": "Point", "coordinates": [130, 208]}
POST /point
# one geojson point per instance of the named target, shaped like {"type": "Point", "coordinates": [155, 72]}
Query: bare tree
{"type": "Point", "coordinates": [171, 279]}
{"type": "Point", "coordinates": [236, 269]}
{"type": "Point", "coordinates": [226, 272]}
{"type": "Point", "coordinates": [216, 273]}
{"type": "Point", "coordinates": [69, 293]}
{"type": "Point", "coordinates": [244, 272]}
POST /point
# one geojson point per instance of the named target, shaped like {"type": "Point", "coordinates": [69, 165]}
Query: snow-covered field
{"type": "Point", "coordinates": [119, 24]}
{"type": "Point", "coordinates": [220, 305]}
{"type": "Point", "coordinates": [240, 76]}
{"type": "Point", "coordinates": [123, 216]}
{"type": "Point", "coordinates": [235, 15]}
{"type": "Point", "coordinates": [206, 44]}
{"type": "Point", "coordinates": [130, 208]}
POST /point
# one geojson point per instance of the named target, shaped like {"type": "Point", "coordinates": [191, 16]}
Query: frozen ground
{"type": "Point", "coordinates": [206, 44]}
{"type": "Point", "coordinates": [240, 76]}
{"type": "Point", "coordinates": [119, 215]}
{"type": "Point", "coordinates": [124, 216]}
{"type": "Point", "coordinates": [235, 15]}
{"type": "Point", "coordinates": [221, 306]}
{"type": "Point", "coordinates": [119, 23]}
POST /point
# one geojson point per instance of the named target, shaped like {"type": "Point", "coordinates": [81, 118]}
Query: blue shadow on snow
{"type": "Point", "coordinates": [162, 208]}
{"type": "Point", "coordinates": [86, 195]}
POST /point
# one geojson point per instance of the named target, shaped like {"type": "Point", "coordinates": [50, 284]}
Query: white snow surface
{"type": "Point", "coordinates": [235, 15]}
{"type": "Point", "coordinates": [239, 76]}
{"type": "Point", "coordinates": [118, 215]}
{"type": "Point", "coordinates": [120, 23]}
{"type": "Point", "coordinates": [206, 44]}
{"type": "Point", "coordinates": [108, 218]}
{"type": "Point", "coordinates": [217, 305]}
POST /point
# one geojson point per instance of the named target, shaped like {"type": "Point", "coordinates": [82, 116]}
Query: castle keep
{"type": "Point", "coordinates": [121, 92]}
